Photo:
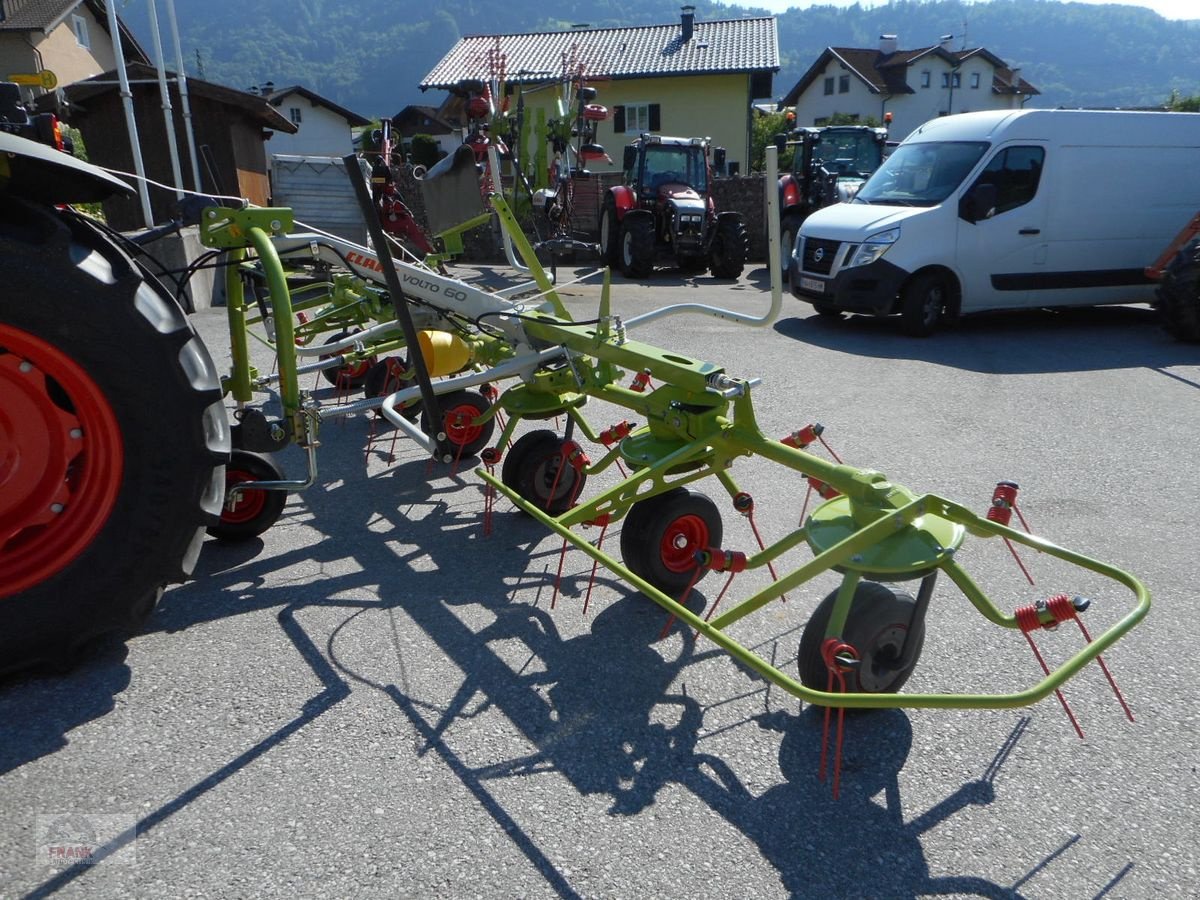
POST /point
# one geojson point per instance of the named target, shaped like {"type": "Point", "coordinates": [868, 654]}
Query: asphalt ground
{"type": "Point", "coordinates": [376, 699]}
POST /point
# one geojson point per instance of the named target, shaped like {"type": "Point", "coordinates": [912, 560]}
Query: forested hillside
{"type": "Point", "coordinates": [369, 57]}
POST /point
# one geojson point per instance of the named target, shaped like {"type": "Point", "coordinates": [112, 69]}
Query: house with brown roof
{"type": "Point", "coordinates": [68, 38]}
{"type": "Point", "coordinates": [323, 127]}
{"type": "Point", "coordinates": [231, 129]}
{"type": "Point", "coordinates": [689, 78]}
{"type": "Point", "coordinates": [913, 85]}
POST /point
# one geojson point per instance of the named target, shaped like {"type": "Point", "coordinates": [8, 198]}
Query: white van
{"type": "Point", "coordinates": [1004, 210]}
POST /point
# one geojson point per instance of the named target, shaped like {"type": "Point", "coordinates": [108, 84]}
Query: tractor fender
{"type": "Point", "coordinates": [789, 192]}
{"type": "Point", "coordinates": [41, 174]}
{"type": "Point", "coordinates": [624, 198]}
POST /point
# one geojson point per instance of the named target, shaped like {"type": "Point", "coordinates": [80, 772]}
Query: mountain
{"type": "Point", "coordinates": [370, 57]}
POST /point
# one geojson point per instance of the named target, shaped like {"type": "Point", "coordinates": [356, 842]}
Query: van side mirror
{"type": "Point", "coordinates": [978, 203]}
{"type": "Point", "coordinates": [629, 160]}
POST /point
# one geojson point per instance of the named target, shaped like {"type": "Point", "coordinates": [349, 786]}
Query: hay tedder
{"type": "Point", "coordinates": [461, 371]}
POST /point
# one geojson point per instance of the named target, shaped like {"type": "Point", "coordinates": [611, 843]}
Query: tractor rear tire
{"type": "Point", "coordinates": [115, 438]}
{"type": "Point", "coordinates": [637, 246]}
{"type": "Point", "coordinates": [610, 234]}
{"type": "Point", "coordinates": [730, 248]}
{"type": "Point", "coordinates": [1179, 294]}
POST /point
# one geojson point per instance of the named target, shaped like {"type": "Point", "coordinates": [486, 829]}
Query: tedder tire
{"type": "Point", "coordinates": [459, 409]}
{"type": "Point", "coordinates": [351, 375]}
{"type": "Point", "coordinates": [114, 432]}
{"type": "Point", "coordinates": [662, 534]}
{"type": "Point", "coordinates": [877, 627]}
{"type": "Point", "coordinates": [637, 245]}
{"type": "Point", "coordinates": [1179, 294]}
{"type": "Point", "coordinates": [729, 248]}
{"type": "Point", "coordinates": [252, 512]}
{"type": "Point", "coordinates": [535, 469]}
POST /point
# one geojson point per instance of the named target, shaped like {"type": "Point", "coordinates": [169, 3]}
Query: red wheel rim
{"type": "Point", "coordinates": [245, 506]}
{"type": "Point", "coordinates": [357, 370]}
{"type": "Point", "coordinates": [61, 460]}
{"type": "Point", "coordinates": [458, 427]}
{"type": "Point", "coordinates": [681, 540]}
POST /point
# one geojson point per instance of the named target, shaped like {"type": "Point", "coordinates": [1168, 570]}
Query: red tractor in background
{"type": "Point", "coordinates": [829, 165]}
{"type": "Point", "coordinates": [665, 208]}
{"type": "Point", "coordinates": [1178, 272]}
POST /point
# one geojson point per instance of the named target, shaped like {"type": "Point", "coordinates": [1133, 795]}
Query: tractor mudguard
{"type": "Point", "coordinates": [625, 200]}
{"type": "Point", "coordinates": [41, 174]}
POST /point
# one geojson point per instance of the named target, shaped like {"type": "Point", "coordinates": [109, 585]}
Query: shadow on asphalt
{"type": "Point", "coordinates": [607, 709]}
{"type": "Point", "coordinates": [1011, 343]}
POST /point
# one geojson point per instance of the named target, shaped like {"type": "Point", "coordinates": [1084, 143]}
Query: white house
{"type": "Point", "coordinates": [323, 126]}
{"type": "Point", "coordinates": [913, 85]}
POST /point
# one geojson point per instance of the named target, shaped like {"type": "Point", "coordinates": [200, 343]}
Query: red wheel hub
{"type": "Point", "coordinates": [61, 460]}
{"type": "Point", "coordinates": [457, 423]}
{"type": "Point", "coordinates": [245, 506]}
{"type": "Point", "coordinates": [682, 538]}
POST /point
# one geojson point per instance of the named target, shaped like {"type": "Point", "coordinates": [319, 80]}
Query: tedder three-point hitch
{"type": "Point", "coordinates": [863, 640]}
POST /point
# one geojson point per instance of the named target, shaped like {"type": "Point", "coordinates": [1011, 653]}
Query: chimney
{"type": "Point", "coordinates": [888, 44]}
{"type": "Point", "coordinates": [687, 19]}
{"type": "Point", "coordinates": [946, 41]}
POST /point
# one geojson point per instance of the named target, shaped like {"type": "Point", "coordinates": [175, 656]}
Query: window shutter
{"type": "Point", "coordinates": [619, 119]}
{"type": "Point", "coordinates": [655, 117]}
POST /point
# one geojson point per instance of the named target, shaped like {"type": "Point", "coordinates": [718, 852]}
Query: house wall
{"type": "Point", "coordinates": [909, 111]}
{"type": "Point", "coordinates": [715, 106]}
{"type": "Point", "coordinates": [322, 131]}
{"type": "Point", "coordinates": [27, 53]}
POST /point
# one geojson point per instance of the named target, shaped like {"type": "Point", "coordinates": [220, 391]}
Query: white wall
{"type": "Point", "coordinates": [909, 111]}
{"type": "Point", "coordinates": [322, 131]}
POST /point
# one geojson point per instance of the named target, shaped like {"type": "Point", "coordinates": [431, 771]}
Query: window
{"type": "Point", "coordinates": [1016, 172]}
{"type": "Point", "coordinates": [974, 80]}
{"type": "Point", "coordinates": [637, 118]}
{"type": "Point", "coordinates": [828, 86]}
{"type": "Point", "coordinates": [957, 79]}
{"type": "Point", "coordinates": [945, 79]}
{"type": "Point", "coordinates": [294, 114]}
{"type": "Point", "coordinates": [844, 84]}
{"type": "Point", "coordinates": [79, 24]}
{"type": "Point", "coordinates": [925, 78]}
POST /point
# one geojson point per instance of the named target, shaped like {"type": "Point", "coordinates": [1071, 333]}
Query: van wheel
{"type": "Point", "coordinates": [923, 303]}
{"type": "Point", "coordinates": [788, 230]}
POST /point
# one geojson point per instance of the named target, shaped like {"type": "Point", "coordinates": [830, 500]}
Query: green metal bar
{"type": "Point", "coordinates": [285, 337]}
{"type": "Point", "coordinates": [513, 228]}
{"type": "Point", "coordinates": [239, 347]}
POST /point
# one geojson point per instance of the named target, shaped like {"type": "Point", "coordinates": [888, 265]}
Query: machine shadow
{"type": "Point", "coordinates": [607, 708]}
{"type": "Point", "coordinates": [1010, 343]}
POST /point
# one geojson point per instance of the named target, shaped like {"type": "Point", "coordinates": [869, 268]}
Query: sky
{"type": "Point", "coordinates": [1169, 9]}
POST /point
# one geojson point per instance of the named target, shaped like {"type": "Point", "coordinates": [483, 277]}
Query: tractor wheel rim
{"type": "Point", "coordinates": [682, 538]}
{"type": "Point", "coordinates": [245, 505]}
{"type": "Point", "coordinates": [61, 460]}
{"type": "Point", "coordinates": [458, 427]}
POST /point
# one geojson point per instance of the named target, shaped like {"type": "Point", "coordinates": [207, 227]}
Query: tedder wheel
{"type": "Point", "coordinates": [610, 234]}
{"type": "Point", "coordinates": [923, 303]}
{"type": "Point", "coordinates": [536, 470]}
{"type": "Point", "coordinates": [113, 438]}
{"type": "Point", "coordinates": [637, 245]}
{"type": "Point", "coordinates": [251, 512]}
{"type": "Point", "coordinates": [1179, 294]}
{"type": "Point", "coordinates": [459, 410]}
{"type": "Point", "coordinates": [662, 534]}
{"type": "Point", "coordinates": [877, 626]}
{"type": "Point", "coordinates": [352, 375]}
{"type": "Point", "coordinates": [388, 376]}
{"type": "Point", "coordinates": [729, 247]}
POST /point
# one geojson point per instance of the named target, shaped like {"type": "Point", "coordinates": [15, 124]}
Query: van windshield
{"type": "Point", "coordinates": [921, 174]}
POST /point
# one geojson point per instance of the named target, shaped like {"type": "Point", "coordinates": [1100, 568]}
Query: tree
{"type": "Point", "coordinates": [763, 134]}
{"type": "Point", "coordinates": [1179, 103]}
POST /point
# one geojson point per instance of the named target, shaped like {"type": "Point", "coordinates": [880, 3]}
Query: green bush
{"type": "Point", "coordinates": [424, 150]}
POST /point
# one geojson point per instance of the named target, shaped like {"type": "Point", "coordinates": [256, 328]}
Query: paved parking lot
{"type": "Point", "coordinates": [375, 699]}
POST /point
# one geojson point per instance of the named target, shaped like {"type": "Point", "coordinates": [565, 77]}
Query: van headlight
{"type": "Point", "coordinates": [874, 247]}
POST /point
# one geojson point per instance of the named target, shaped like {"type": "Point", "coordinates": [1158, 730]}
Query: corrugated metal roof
{"type": "Point", "coordinates": [735, 45]}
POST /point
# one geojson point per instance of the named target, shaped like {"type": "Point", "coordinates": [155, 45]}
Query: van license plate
{"type": "Point", "coordinates": [811, 284]}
